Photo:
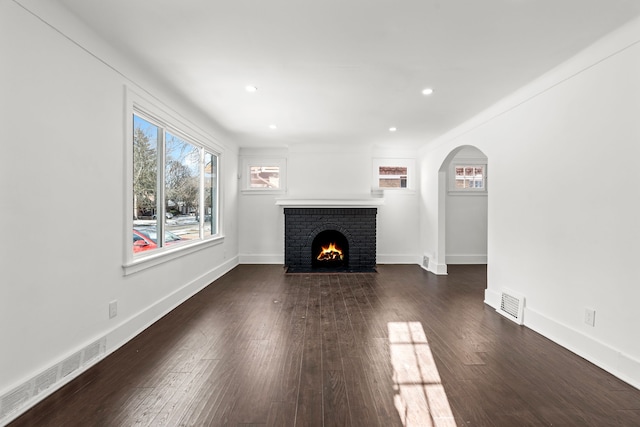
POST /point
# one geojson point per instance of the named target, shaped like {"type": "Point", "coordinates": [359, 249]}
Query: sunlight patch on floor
{"type": "Point", "coordinates": [420, 397]}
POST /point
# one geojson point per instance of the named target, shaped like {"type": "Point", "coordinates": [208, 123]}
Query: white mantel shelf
{"type": "Point", "coordinates": [330, 203]}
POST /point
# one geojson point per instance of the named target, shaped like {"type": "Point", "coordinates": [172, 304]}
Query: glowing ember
{"type": "Point", "coordinates": [330, 253]}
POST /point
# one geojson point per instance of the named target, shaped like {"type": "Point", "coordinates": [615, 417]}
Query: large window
{"type": "Point", "coordinates": [175, 187]}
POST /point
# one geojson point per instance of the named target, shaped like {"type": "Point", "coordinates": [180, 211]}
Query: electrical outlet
{"type": "Point", "coordinates": [590, 316]}
{"type": "Point", "coordinates": [113, 309]}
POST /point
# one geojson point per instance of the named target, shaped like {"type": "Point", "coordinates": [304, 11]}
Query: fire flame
{"type": "Point", "coordinates": [330, 253]}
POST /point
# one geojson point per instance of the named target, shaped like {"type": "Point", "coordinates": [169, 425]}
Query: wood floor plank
{"type": "Point", "coordinates": [281, 414]}
{"type": "Point", "coordinates": [349, 345]}
{"type": "Point", "coordinates": [288, 345]}
{"type": "Point", "coordinates": [260, 347]}
{"type": "Point", "coordinates": [189, 401]}
{"type": "Point", "coordinates": [362, 406]}
{"type": "Point", "coordinates": [310, 400]}
{"type": "Point", "coordinates": [334, 395]}
{"type": "Point", "coordinates": [331, 358]}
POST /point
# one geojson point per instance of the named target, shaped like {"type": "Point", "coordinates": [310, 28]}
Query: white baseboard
{"type": "Point", "coordinates": [439, 269]}
{"type": "Point", "coordinates": [28, 394]}
{"type": "Point", "coordinates": [466, 259]}
{"type": "Point", "coordinates": [492, 298]}
{"type": "Point", "coordinates": [262, 259]}
{"type": "Point", "coordinates": [600, 354]}
{"type": "Point", "coordinates": [279, 259]}
{"type": "Point", "coordinates": [398, 259]}
{"type": "Point", "coordinates": [141, 321]}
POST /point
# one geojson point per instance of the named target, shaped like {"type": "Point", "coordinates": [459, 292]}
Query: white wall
{"type": "Point", "coordinates": [466, 216]}
{"type": "Point", "coordinates": [330, 171]}
{"type": "Point", "coordinates": [261, 222]}
{"type": "Point", "coordinates": [566, 237]}
{"type": "Point", "coordinates": [62, 186]}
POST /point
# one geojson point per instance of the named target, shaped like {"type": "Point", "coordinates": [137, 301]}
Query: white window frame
{"type": "Point", "coordinates": [171, 122]}
{"type": "Point", "coordinates": [467, 162]}
{"type": "Point", "coordinates": [247, 162]}
{"type": "Point", "coordinates": [410, 164]}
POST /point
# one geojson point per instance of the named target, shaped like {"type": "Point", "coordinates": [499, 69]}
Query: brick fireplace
{"type": "Point", "coordinates": [330, 239]}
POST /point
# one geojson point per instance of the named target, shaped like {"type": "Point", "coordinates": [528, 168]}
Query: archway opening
{"type": "Point", "coordinates": [463, 207]}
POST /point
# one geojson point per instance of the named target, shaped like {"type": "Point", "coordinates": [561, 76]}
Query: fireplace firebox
{"type": "Point", "coordinates": [330, 239]}
{"type": "Point", "coordinates": [330, 250]}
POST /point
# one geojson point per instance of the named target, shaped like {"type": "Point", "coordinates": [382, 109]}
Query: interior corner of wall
{"type": "Point", "coordinates": [492, 298]}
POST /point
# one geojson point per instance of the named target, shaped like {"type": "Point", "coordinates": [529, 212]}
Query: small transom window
{"type": "Point", "coordinates": [392, 177]}
{"type": "Point", "coordinates": [393, 174]}
{"type": "Point", "coordinates": [267, 177]}
{"type": "Point", "coordinates": [469, 176]}
{"type": "Point", "coordinates": [263, 172]}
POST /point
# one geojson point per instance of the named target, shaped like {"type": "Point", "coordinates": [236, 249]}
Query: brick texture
{"type": "Point", "coordinates": [302, 225]}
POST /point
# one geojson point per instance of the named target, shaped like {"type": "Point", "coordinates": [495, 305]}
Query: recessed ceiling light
{"type": "Point", "coordinates": [393, 129]}
{"type": "Point", "coordinates": [273, 127]}
{"type": "Point", "coordinates": [250, 88]}
{"type": "Point", "coordinates": [427, 91]}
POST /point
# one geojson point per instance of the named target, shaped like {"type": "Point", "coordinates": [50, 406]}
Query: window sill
{"type": "Point", "coordinates": [162, 256]}
{"type": "Point", "coordinates": [247, 191]}
{"type": "Point", "coordinates": [467, 193]}
{"type": "Point", "coordinates": [382, 192]}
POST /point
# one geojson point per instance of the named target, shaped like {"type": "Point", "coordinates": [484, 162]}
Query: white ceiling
{"type": "Point", "coordinates": [345, 71]}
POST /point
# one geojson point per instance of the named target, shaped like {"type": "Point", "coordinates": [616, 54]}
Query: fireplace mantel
{"type": "Point", "coordinates": [330, 203]}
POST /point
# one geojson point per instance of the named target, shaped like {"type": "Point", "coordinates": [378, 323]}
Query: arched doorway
{"type": "Point", "coordinates": [463, 207]}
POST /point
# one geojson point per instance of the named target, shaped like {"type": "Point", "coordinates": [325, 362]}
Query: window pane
{"type": "Point", "coordinates": [387, 183]}
{"type": "Point", "coordinates": [392, 170]}
{"type": "Point", "coordinates": [210, 194]}
{"type": "Point", "coordinates": [265, 177]}
{"type": "Point", "coordinates": [175, 189]}
{"type": "Point", "coordinates": [469, 177]}
{"type": "Point", "coordinates": [392, 176]}
{"type": "Point", "coordinates": [399, 182]}
{"type": "Point", "coordinates": [182, 188]}
{"type": "Point", "coordinates": [479, 177]}
{"type": "Point", "coordinates": [145, 180]}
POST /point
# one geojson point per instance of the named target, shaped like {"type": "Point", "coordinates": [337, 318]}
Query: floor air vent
{"type": "Point", "coordinates": [511, 306]}
{"type": "Point", "coordinates": [13, 403]}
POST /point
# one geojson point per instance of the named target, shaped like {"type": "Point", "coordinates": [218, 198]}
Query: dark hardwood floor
{"type": "Point", "coordinates": [401, 347]}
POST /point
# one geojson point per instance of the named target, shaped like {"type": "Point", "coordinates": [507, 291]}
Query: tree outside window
{"type": "Point", "coordinates": [176, 193]}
